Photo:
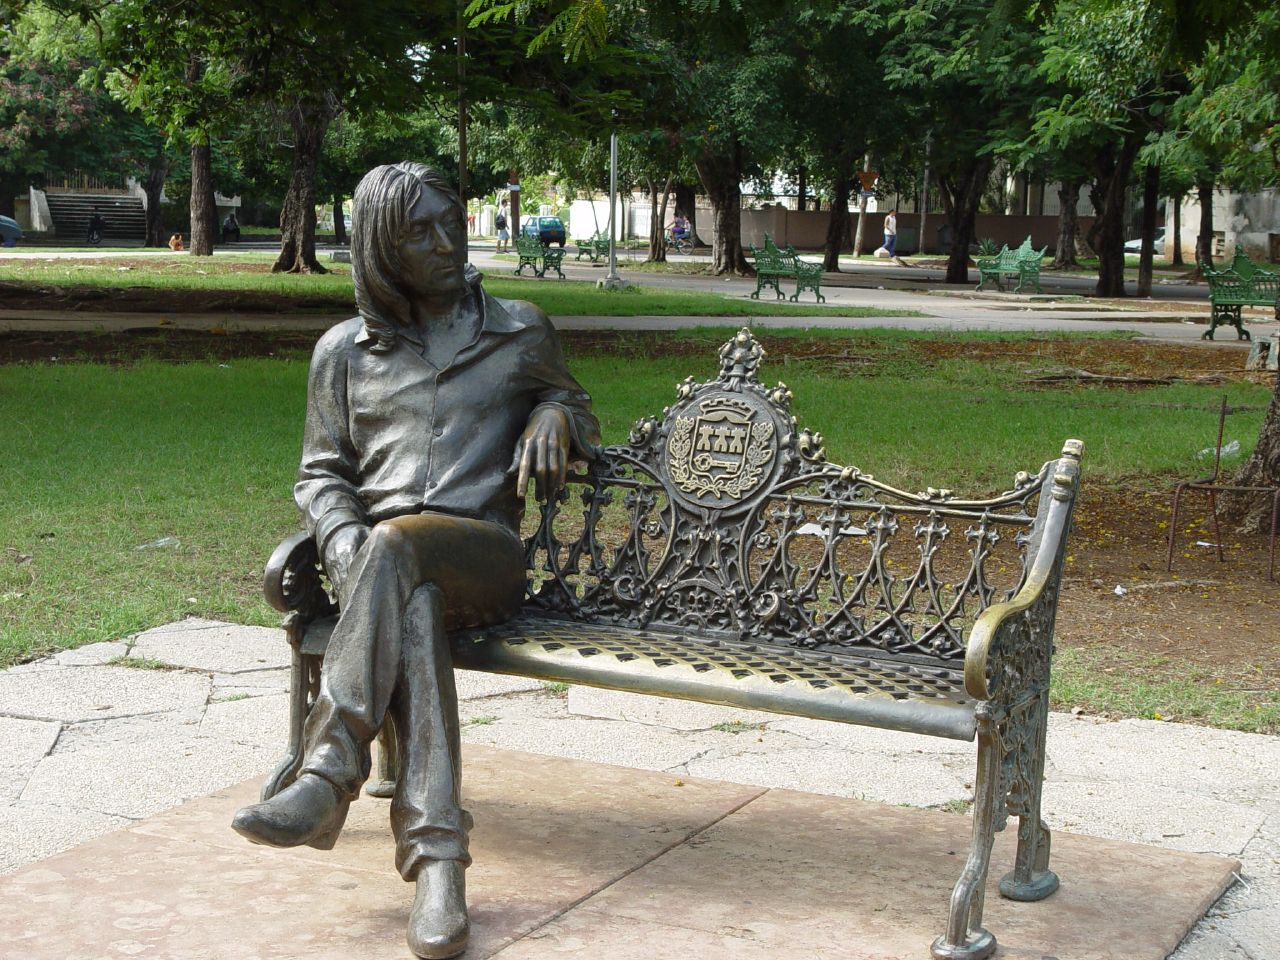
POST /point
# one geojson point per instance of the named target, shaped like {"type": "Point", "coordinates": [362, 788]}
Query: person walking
{"type": "Point", "coordinates": [500, 223]}
{"type": "Point", "coordinates": [891, 233]}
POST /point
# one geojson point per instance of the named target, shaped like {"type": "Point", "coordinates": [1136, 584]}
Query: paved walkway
{"type": "Point", "coordinates": [103, 736]}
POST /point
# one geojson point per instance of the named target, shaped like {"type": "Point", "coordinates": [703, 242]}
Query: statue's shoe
{"type": "Point", "coordinates": [308, 811]}
{"type": "Point", "coordinates": [438, 924]}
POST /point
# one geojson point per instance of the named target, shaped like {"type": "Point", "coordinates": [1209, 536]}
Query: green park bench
{"type": "Point", "coordinates": [774, 265]}
{"type": "Point", "coordinates": [1023, 263]}
{"type": "Point", "coordinates": [718, 556]}
{"type": "Point", "coordinates": [1243, 284]}
{"type": "Point", "coordinates": [531, 251]}
{"type": "Point", "coordinates": [594, 247]}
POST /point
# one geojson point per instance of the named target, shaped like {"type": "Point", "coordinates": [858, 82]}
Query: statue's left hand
{"type": "Point", "coordinates": [543, 452]}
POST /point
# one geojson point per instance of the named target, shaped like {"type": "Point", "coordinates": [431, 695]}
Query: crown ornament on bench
{"type": "Point", "coordinates": [726, 441]}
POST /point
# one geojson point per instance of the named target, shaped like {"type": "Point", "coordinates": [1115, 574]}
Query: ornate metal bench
{"type": "Point", "coordinates": [531, 250]}
{"type": "Point", "coordinates": [1243, 284]}
{"type": "Point", "coordinates": [717, 556]}
{"type": "Point", "coordinates": [773, 265]}
{"type": "Point", "coordinates": [1023, 263]}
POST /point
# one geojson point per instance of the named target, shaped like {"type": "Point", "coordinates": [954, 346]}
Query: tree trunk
{"type": "Point", "coordinates": [339, 221]}
{"type": "Point", "coordinates": [686, 205]}
{"type": "Point", "coordinates": [862, 209]}
{"type": "Point", "coordinates": [309, 118]}
{"type": "Point", "coordinates": [1204, 239]}
{"type": "Point", "coordinates": [1064, 256]}
{"type": "Point", "coordinates": [837, 223]}
{"type": "Point", "coordinates": [204, 211]}
{"type": "Point", "coordinates": [965, 192]}
{"type": "Point", "coordinates": [1113, 165]}
{"type": "Point", "coordinates": [658, 220]}
{"type": "Point", "coordinates": [1150, 197]}
{"type": "Point", "coordinates": [1176, 259]}
{"type": "Point", "coordinates": [721, 176]}
{"type": "Point", "coordinates": [802, 187]}
{"type": "Point", "coordinates": [921, 244]}
{"type": "Point", "coordinates": [153, 186]}
{"type": "Point", "coordinates": [1252, 510]}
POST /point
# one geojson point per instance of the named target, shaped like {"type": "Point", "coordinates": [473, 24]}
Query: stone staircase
{"type": "Point", "coordinates": [124, 216]}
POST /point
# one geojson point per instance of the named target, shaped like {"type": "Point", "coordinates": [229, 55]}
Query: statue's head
{"type": "Point", "coordinates": [408, 241]}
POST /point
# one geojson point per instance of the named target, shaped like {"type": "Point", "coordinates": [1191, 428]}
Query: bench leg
{"type": "Point", "coordinates": [965, 938]}
{"type": "Point", "coordinates": [304, 683]}
{"type": "Point", "coordinates": [388, 762]}
{"type": "Point", "coordinates": [1238, 320]}
{"type": "Point", "coordinates": [1031, 879]}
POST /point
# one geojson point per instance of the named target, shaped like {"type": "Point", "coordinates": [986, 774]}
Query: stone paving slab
{"type": "Point", "coordinates": [98, 692]}
{"type": "Point", "coordinates": [589, 860]}
{"type": "Point", "coordinates": [223, 649]}
{"type": "Point", "coordinates": [139, 779]}
{"type": "Point", "coordinates": [30, 833]}
{"type": "Point", "coordinates": [182, 885]}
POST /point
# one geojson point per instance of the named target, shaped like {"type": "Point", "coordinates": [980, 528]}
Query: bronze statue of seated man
{"type": "Point", "coordinates": [427, 415]}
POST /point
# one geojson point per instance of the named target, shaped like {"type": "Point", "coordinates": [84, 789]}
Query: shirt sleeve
{"type": "Point", "coordinates": [556, 386]}
{"type": "Point", "coordinates": [326, 491]}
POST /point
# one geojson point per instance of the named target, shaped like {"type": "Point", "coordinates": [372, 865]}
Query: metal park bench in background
{"type": "Point", "coordinates": [773, 265]}
{"type": "Point", "coordinates": [718, 556]}
{"type": "Point", "coordinates": [1022, 263]}
{"type": "Point", "coordinates": [594, 247]}
{"type": "Point", "coordinates": [1243, 284]}
{"type": "Point", "coordinates": [531, 251]}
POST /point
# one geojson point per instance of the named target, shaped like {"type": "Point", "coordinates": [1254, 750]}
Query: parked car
{"type": "Point", "coordinates": [1135, 246]}
{"type": "Point", "coordinates": [10, 232]}
{"type": "Point", "coordinates": [547, 229]}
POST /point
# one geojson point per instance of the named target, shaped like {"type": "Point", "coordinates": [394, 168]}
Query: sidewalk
{"type": "Point", "coordinates": [92, 747]}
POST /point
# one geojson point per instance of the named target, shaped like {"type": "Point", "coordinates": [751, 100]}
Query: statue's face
{"type": "Point", "coordinates": [433, 250]}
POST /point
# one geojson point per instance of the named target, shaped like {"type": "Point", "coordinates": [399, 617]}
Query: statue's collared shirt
{"type": "Point", "coordinates": [388, 434]}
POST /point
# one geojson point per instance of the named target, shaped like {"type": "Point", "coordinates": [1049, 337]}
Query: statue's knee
{"type": "Point", "coordinates": [387, 542]}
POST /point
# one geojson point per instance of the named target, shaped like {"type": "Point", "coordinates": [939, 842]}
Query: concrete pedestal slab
{"type": "Point", "coordinates": [587, 860]}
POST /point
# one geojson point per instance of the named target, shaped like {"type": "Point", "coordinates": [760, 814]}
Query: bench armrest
{"type": "Point", "coordinates": [1019, 633]}
{"type": "Point", "coordinates": [292, 580]}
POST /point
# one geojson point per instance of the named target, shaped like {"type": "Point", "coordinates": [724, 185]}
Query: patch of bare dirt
{"type": "Point", "coordinates": [1220, 616]}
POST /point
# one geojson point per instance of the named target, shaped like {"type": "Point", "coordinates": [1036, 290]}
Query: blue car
{"type": "Point", "coordinates": [10, 232]}
{"type": "Point", "coordinates": [547, 229]}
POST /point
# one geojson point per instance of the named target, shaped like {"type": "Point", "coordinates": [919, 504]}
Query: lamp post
{"type": "Point", "coordinates": [612, 281]}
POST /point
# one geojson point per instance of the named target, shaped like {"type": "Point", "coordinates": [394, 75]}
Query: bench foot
{"type": "Point", "coordinates": [981, 945]}
{"type": "Point", "coordinates": [1040, 885]}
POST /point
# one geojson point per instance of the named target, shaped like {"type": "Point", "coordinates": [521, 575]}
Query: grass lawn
{"type": "Point", "coordinates": [137, 494]}
{"type": "Point", "coordinates": [250, 274]}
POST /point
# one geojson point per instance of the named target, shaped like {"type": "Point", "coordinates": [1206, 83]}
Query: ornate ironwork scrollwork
{"type": "Point", "coordinates": [755, 535]}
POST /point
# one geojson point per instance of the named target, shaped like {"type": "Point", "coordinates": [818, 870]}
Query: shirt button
{"type": "Point", "coordinates": [431, 484]}
{"type": "Point", "coordinates": [437, 431]}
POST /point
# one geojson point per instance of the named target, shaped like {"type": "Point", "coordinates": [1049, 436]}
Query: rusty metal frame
{"type": "Point", "coordinates": [1211, 486]}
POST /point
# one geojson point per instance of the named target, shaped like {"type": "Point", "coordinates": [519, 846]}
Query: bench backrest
{"type": "Point", "coordinates": [723, 518]}
{"type": "Point", "coordinates": [1245, 268]}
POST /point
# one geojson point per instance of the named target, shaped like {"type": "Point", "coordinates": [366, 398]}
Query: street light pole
{"type": "Point", "coordinates": [612, 281]}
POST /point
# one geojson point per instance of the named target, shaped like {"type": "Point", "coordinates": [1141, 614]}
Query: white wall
{"type": "Point", "coordinates": [1247, 220]}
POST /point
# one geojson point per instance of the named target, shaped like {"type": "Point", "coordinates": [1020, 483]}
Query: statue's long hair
{"type": "Point", "coordinates": [380, 213]}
